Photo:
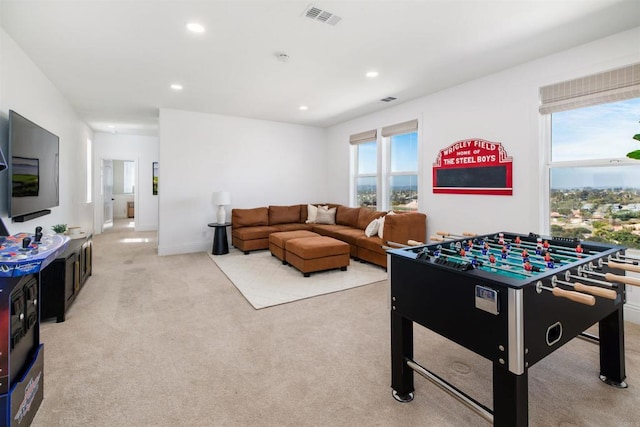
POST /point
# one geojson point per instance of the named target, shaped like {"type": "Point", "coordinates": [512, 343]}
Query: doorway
{"type": "Point", "coordinates": [118, 192]}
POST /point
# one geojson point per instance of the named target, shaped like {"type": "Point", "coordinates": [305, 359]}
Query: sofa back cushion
{"type": "Point", "coordinates": [249, 217]}
{"type": "Point", "coordinates": [284, 214]}
{"type": "Point", "coordinates": [347, 216]}
{"type": "Point", "coordinates": [365, 216]}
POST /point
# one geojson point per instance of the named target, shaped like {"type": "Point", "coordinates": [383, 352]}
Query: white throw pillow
{"type": "Point", "coordinates": [372, 228]}
{"type": "Point", "coordinates": [312, 214]}
{"type": "Point", "coordinates": [381, 228]}
{"type": "Point", "coordinates": [326, 215]}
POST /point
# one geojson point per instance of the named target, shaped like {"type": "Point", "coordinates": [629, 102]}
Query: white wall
{"type": "Point", "coordinates": [502, 107]}
{"type": "Point", "coordinates": [144, 150]}
{"type": "Point", "coordinates": [26, 90]}
{"type": "Point", "coordinates": [259, 162]}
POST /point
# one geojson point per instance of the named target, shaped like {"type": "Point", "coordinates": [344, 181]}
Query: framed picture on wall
{"type": "Point", "coordinates": [155, 178]}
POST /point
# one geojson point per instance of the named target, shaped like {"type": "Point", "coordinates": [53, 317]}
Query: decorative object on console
{"type": "Point", "coordinates": [222, 199]}
{"type": "Point", "coordinates": [59, 228]}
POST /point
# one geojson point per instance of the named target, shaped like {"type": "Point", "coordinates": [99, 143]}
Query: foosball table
{"type": "Point", "coordinates": [512, 299]}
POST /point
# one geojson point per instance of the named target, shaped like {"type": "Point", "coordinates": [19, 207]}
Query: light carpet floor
{"type": "Point", "coordinates": [168, 341]}
{"type": "Point", "coordinates": [264, 281]}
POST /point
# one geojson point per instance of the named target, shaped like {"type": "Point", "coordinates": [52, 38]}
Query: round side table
{"type": "Point", "coordinates": [220, 242]}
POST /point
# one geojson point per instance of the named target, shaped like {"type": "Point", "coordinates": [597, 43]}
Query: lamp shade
{"type": "Point", "coordinates": [222, 198]}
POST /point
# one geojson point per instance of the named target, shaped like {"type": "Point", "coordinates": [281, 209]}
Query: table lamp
{"type": "Point", "coordinates": [222, 198]}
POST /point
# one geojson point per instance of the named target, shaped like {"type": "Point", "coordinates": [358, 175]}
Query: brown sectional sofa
{"type": "Point", "coordinates": [251, 228]}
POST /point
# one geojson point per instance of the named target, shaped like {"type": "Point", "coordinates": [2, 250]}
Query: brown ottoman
{"type": "Point", "coordinates": [312, 254]}
{"type": "Point", "coordinates": [277, 241]}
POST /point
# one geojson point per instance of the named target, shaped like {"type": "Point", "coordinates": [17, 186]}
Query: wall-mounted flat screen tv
{"type": "Point", "coordinates": [33, 169]}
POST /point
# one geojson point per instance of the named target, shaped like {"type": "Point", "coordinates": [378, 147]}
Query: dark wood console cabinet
{"type": "Point", "coordinates": [62, 280]}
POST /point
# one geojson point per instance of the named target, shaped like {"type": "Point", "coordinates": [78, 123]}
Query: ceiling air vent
{"type": "Point", "coordinates": [388, 99]}
{"type": "Point", "coordinates": [317, 14]}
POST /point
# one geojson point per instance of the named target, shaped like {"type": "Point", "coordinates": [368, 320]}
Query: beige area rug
{"type": "Point", "coordinates": [264, 281]}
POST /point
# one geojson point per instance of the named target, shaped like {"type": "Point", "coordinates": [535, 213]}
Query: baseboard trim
{"type": "Point", "coordinates": [186, 248]}
{"type": "Point", "coordinates": [632, 313]}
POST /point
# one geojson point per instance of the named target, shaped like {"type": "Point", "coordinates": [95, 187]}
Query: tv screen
{"type": "Point", "coordinates": [33, 168]}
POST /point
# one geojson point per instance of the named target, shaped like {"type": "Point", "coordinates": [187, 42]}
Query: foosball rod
{"type": "Point", "coordinates": [445, 235]}
{"type": "Point", "coordinates": [627, 258]}
{"type": "Point", "coordinates": [570, 295]}
{"type": "Point", "coordinates": [615, 278]}
{"type": "Point", "coordinates": [569, 276]}
{"type": "Point", "coordinates": [514, 264]}
{"type": "Point", "coordinates": [454, 255]}
{"type": "Point", "coordinates": [537, 258]}
{"type": "Point", "coordinates": [593, 290]}
{"type": "Point", "coordinates": [619, 265]}
{"type": "Point", "coordinates": [561, 250]}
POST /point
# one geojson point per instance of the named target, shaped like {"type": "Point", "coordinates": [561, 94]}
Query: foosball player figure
{"type": "Point", "coordinates": [548, 260]}
{"type": "Point", "coordinates": [539, 246]}
{"type": "Point", "coordinates": [436, 253]}
{"type": "Point", "coordinates": [501, 238]}
{"type": "Point", "coordinates": [492, 259]}
{"type": "Point", "coordinates": [468, 245]}
{"type": "Point", "coordinates": [579, 250]}
{"type": "Point", "coordinates": [475, 261]}
{"type": "Point", "coordinates": [546, 245]}
{"type": "Point", "coordinates": [517, 241]}
{"type": "Point", "coordinates": [462, 252]}
{"type": "Point", "coordinates": [530, 267]}
{"type": "Point", "coordinates": [504, 252]}
{"type": "Point", "coordinates": [525, 255]}
{"type": "Point", "coordinates": [485, 248]}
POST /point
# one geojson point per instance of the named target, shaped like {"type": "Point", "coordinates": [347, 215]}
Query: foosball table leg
{"type": "Point", "coordinates": [612, 365]}
{"type": "Point", "coordinates": [401, 351]}
{"type": "Point", "coordinates": [510, 398]}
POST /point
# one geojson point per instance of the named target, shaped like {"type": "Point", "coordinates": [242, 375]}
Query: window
{"type": "Point", "coordinates": [386, 169]}
{"type": "Point", "coordinates": [594, 189]}
{"type": "Point", "coordinates": [367, 178]}
{"type": "Point", "coordinates": [403, 172]}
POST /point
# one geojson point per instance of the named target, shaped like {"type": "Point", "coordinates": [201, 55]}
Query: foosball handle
{"type": "Point", "coordinates": [622, 279]}
{"type": "Point", "coordinates": [469, 234]}
{"type": "Point", "coordinates": [443, 233]}
{"type": "Point", "coordinates": [436, 238]}
{"type": "Point", "coordinates": [575, 296]}
{"type": "Point", "coordinates": [414, 243]}
{"type": "Point", "coordinates": [626, 267]}
{"type": "Point", "coordinates": [595, 290]}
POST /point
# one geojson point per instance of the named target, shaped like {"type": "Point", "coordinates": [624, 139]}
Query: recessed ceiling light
{"type": "Point", "coordinates": [176, 86]}
{"type": "Point", "coordinates": [194, 27]}
{"type": "Point", "coordinates": [372, 74]}
{"type": "Point", "coordinates": [303, 108]}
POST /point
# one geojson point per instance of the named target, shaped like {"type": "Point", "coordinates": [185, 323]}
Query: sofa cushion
{"type": "Point", "coordinates": [365, 216]}
{"type": "Point", "coordinates": [252, 233]}
{"type": "Point", "coordinates": [326, 215]}
{"type": "Point", "coordinates": [371, 243]}
{"type": "Point", "coordinates": [249, 217]}
{"type": "Point", "coordinates": [349, 235]}
{"type": "Point", "coordinates": [284, 214]}
{"type": "Point", "coordinates": [328, 229]}
{"type": "Point", "coordinates": [347, 216]}
{"type": "Point", "coordinates": [292, 226]}
{"type": "Point", "coordinates": [382, 221]}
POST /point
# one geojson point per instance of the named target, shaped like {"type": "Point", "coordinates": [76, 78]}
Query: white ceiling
{"type": "Point", "coordinates": [114, 60]}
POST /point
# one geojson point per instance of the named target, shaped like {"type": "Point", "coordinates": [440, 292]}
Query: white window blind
{"type": "Point", "coordinates": [610, 86]}
{"type": "Point", "coordinates": [362, 137]}
{"type": "Point", "coordinates": [400, 128]}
